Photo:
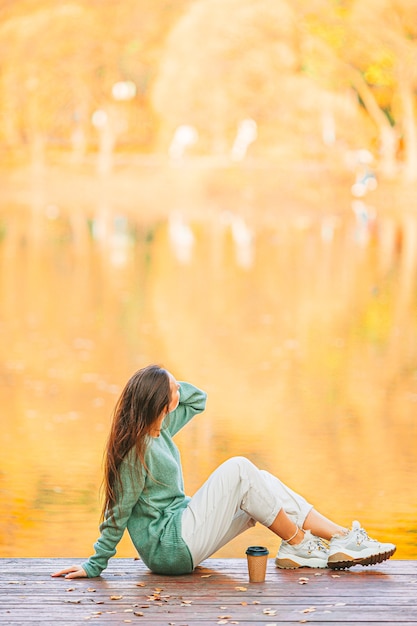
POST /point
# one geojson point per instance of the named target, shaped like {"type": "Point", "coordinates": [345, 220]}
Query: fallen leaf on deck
{"type": "Point", "coordinates": [116, 597]}
{"type": "Point", "coordinates": [309, 610]}
{"type": "Point", "coordinates": [241, 588]}
{"type": "Point", "coordinates": [256, 602]}
{"type": "Point", "coordinates": [224, 616]}
{"type": "Point", "coordinates": [140, 584]}
{"type": "Point", "coordinates": [244, 603]}
{"type": "Point", "coordinates": [73, 601]}
{"type": "Point", "coordinates": [91, 589]}
{"type": "Point", "coordinates": [138, 614]}
{"type": "Point", "coordinates": [206, 575]}
{"type": "Point", "coordinates": [335, 575]}
{"type": "Point", "coordinates": [223, 621]}
{"type": "Point", "coordinates": [70, 589]}
{"type": "Point", "coordinates": [269, 612]}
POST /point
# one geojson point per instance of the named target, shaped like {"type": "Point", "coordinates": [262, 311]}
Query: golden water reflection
{"type": "Point", "coordinates": [303, 331]}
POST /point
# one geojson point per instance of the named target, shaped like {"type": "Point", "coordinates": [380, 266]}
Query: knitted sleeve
{"type": "Point", "coordinates": [192, 401]}
{"type": "Point", "coordinates": [113, 526]}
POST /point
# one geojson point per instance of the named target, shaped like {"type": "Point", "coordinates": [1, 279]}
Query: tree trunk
{"type": "Point", "coordinates": [387, 134]}
{"type": "Point", "coordinates": [409, 130]}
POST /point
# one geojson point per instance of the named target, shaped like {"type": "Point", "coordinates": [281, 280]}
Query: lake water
{"type": "Point", "coordinates": [301, 327]}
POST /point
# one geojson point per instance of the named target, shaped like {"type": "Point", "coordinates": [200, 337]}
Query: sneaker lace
{"type": "Point", "coordinates": [316, 543]}
{"type": "Point", "coordinates": [362, 535]}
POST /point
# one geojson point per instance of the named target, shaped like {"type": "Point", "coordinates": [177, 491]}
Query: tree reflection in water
{"type": "Point", "coordinates": [307, 348]}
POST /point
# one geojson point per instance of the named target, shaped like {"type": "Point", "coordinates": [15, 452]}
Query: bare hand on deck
{"type": "Point", "coordinates": [75, 571]}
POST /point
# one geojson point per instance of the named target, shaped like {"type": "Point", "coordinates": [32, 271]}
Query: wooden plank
{"type": "Point", "coordinates": [218, 592]}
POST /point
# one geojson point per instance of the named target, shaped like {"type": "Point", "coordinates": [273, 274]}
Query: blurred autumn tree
{"type": "Point", "coordinates": [303, 70]}
{"type": "Point", "coordinates": [319, 77]}
{"type": "Point", "coordinates": [60, 61]}
{"type": "Point", "coordinates": [253, 62]}
{"type": "Point", "coordinates": [375, 44]}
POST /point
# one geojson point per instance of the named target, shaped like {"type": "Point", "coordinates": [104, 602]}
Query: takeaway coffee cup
{"type": "Point", "coordinates": [257, 560]}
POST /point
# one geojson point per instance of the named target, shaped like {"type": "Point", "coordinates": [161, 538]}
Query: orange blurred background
{"type": "Point", "coordinates": [226, 187]}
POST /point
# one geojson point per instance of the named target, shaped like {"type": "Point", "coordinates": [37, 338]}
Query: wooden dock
{"type": "Point", "coordinates": [216, 593]}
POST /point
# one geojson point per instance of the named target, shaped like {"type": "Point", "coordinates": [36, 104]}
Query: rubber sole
{"type": "Point", "coordinates": [343, 561]}
{"type": "Point", "coordinates": [290, 564]}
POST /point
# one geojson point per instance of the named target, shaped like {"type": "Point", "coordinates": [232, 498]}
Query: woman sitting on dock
{"type": "Point", "coordinates": [173, 533]}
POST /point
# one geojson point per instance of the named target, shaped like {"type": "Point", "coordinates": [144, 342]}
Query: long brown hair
{"type": "Point", "coordinates": [146, 395]}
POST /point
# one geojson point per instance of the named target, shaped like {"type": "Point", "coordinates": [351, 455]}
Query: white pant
{"type": "Point", "coordinates": [234, 498]}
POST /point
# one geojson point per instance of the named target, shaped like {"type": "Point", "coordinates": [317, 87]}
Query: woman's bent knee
{"type": "Point", "coordinates": [240, 460]}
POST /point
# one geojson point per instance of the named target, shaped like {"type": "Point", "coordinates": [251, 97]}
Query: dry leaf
{"type": "Point", "coordinates": [335, 575]}
{"type": "Point", "coordinates": [309, 610]}
{"type": "Point", "coordinates": [303, 621]}
{"type": "Point", "coordinates": [224, 617]}
{"type": "Point", "coordinates": [140, 584]}
{"type": "Point", "coordinates": [223, 621]}
{"type": "Point", "coordinates": [244, 603]}
{"type": "Point", "coordinates": [138, 614]}
{"type": "Point", "coordinates": [73, 601]}
{"type": "Point", "coordinates": [241, 588]}
{"type": "Point", "coordinates": [91, 589]}
{"type": "Point", "coordinates": [116, 597]}
{"type": "Point", "coordinates": [70, 589]}
{"type": "Point", "coordinates": [256, 602]}
{"type": "Point", "coordinates": [128, 611]}
{"type": "Point", "coordinates": [269, 612]}
{"type": "Point", "coordinates": [206, 575]}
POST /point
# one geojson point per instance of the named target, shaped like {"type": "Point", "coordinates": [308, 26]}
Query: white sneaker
{"type": "Point", "coordinates": [311, 552]}
{"type": "Point", "coordinates": [356, 548]}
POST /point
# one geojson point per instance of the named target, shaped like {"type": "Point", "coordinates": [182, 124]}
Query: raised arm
{"type": "Point", "coordinates": [192, 401]}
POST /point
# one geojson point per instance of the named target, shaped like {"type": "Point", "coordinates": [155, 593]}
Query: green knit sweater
{"type": "Point", "coordinates": [152, 502]}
